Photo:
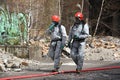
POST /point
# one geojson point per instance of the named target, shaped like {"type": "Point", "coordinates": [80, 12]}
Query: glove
{"type": "Point", "coordinates": [51, 26]}
{"type": "Point", "coordinates": [62, 46]}
{"type": "Point", "coordinates": [76, 37]}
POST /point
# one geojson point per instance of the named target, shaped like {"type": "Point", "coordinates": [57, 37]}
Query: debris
{"type": "Point", "coordinates": [24, 63]}
{"type": "Point", "coordinates": [17, 69]}
{"type": "Point", "coordinates": [9, 62]}
{"type": "Point", "coordinates": [105, 49]}
{"type": "Point", "coordinates": [2, 67]}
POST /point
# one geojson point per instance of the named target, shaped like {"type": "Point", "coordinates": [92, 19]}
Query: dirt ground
{"type": "Point", "coordinates": [47, 65]}
{"type": "Point", "coordinates": [105, 49]}
{"type": "Point", "coordinates": [106, 52]}
{"type": "Point", "coordinates": [113, 74]}
{"type": "Point", "coordinates": [96, 75]}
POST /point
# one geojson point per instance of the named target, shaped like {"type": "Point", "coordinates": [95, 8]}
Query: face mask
{"type": "Point", "coordinates": [77, 20]}
{"type": "Point", "coordinates": [56, 23]}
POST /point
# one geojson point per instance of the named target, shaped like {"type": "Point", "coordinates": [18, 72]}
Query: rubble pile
{"type": "Point", "coordinates": [104, 48]}
{"type": "Point", "coordinates": [43, 44]}
{"type": "Point", "coordinates": [106, 42]}
{"type": "Point", "coordinates": [45, 47]}
{"type": "Point", "coordinates": [8, 62]}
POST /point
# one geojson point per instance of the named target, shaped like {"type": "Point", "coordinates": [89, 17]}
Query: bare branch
{"type": "Point", "coordinates": [99, 17]}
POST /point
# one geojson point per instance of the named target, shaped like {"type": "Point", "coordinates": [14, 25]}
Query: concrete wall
{"type": "Point", "coordinates": [39, 14]}
{"type": "Point", "coordinates": [39, 10]}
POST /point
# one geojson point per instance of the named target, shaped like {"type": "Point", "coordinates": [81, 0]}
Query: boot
{"type": "Point", "coordinates": [78, 71]}
{"type": "Point", "coordinates": [55, 70]}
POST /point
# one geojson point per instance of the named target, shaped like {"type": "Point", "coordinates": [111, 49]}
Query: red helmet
{"type": "Point", "coordinates": [55, 18]}
{"type": "Point", "coordinates": [79, 15]}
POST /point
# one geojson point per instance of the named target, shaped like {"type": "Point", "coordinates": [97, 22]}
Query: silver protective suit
{"type": "Point", "coordinates": [78, 45]}
{"type": "Point", "coordinates": [58, 38]}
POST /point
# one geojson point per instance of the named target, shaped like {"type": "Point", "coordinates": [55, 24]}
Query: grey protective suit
{"type": "Point", "coordinates": [58, 39]}
{"type": "Point", "coordinates": [78, 44]}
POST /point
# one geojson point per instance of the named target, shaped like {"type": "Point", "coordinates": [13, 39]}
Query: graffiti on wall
{"type": "Point", "coordinates": [13, 28]}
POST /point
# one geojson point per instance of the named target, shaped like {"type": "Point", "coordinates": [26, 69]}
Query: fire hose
{"type": "Point", "coordinates": [60, 72]}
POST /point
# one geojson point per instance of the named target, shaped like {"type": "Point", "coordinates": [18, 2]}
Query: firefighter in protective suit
{"type": "Point", "coordinates": [58, 39]}
{"type": "Point", "coordinates": [76, 41]}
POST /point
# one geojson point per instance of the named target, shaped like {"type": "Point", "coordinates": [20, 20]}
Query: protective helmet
{"type": "Point", "coordinates": [79, 15]}
{"type": "Point", "coordinates": [55, 18]}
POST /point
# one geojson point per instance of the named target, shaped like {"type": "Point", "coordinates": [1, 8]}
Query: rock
{"type": "Point", "coordinates": [101, 58]}
{"type": "Point", "coordinates": [8, 62]}
{"type": "Point", "coordinates": [67, 49]}
{"type": "Point", "coordinates": [117, 55]}
{"type": "Point", "coordinates": [17, 69]}
{"type": "Point", "coordinates": [32, 41]}
{"type": "Point", "coordinates": [2, 68]}
{"type": "Point", "coordinates": [24, 63]}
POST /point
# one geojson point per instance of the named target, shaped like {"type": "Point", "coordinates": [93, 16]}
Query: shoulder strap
{"type": "Point", "coordinates": [73, 26]}
{"type": "Point", "coordinates": [82, 27]}
{"type": "Point", "coordinates": [60, 30]}
{"type": "Point", "coordinates": [82, 31]}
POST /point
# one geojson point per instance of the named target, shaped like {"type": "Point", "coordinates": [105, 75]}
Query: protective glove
{"type": "Point", "coordinates": [62, 46]}
{"type": "Point", "coordinates": [51, 26]}
{"type": "Point", "coordinates": [76, 37]}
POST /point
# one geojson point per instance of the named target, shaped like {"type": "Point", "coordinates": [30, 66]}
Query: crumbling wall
{"type": "Point", "coordinates": [38, 17]}
{"type": "Point", "coordinates": [40, 12]}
